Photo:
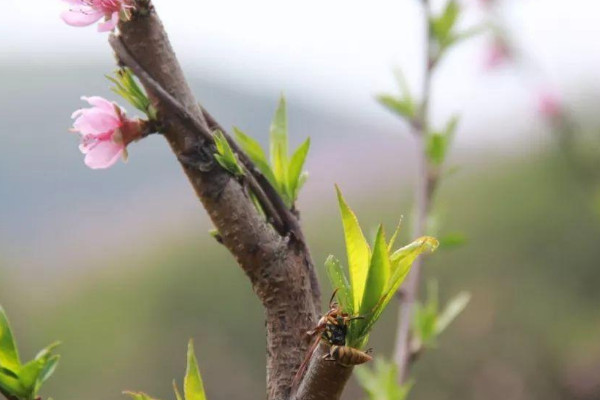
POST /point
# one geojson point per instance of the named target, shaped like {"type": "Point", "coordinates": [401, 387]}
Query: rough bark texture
{"type": "Point", "coordinates": [278, 266]}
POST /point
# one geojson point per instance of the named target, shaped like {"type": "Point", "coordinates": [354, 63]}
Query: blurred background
{"type": "Point", "coordinates": [118, 264]}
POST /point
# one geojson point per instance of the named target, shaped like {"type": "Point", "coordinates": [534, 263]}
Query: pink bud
{"type": "Point", "coordinates": [105, 132]}
{"type": "Point", "coordinates": [549, 105]}
{"type": "Point", "coordinates": [497, 54]}
{"type": "Point", "coordinates": [86, 12]}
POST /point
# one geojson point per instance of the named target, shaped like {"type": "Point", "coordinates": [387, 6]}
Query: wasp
{"type": "Point", "coordinates": [332, 329]}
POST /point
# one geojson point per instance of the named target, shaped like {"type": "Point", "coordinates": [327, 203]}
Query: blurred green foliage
{"type": "Point", "coordinates": [20, 381]}
{"type": "Point", "coordinates": [531, 266]}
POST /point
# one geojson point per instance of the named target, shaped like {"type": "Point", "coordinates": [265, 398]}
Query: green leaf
{"type": "Point", "coordinates": [452, 310]}
{"type": "Point", "coordinates": [379, 274]}
{"type": "Point", "coordinates": [425, 318]}
{"type": "Point", "coordinates": [442, 26]}
{"type": "Point", "coordinates": [139, 396]}
{"type": "Point", "coordinates": [225, 155]}
{"type": "Point", "coordinates": [9, 383]}
{"type": "Point", "coordinates": [395, 235]}
{"type": "Point", "coordinates": [279, 145]}
{"type": "Point", "coordinates": [9, 373]}
{"type": "Point", "coordinates": [28, 377]}
{"type": "Point", "coordinates": [176, 390]}
{"type": "Point", "coordinates": [402, 107]}
{"type": "Point", "coordinates": [338, 281]}
{"type": "Point", "coordinates": [193, 388]}
{"type": "Point", "coordinates": [9, 356]}
{"type": "Point", "coordinates": [295, 168]}
{"type": "Point", "coordinates": [45, 352]}
{"type": "Point", "coordinates": [401, 261]}
{"type": "Point", "coordinates": [127, 87]}
{"type": "Point", "coordinates": [48, 369]}
{"type": "Point", "coordinates": [357, 248]}
{"type": "Point", "coordinates": [438, 143]}
{"type": "Point", "coordinates": [436, 148]}
{"type": "Point", "coordinates": [256, 154]}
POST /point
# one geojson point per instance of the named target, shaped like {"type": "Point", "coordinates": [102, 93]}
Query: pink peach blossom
{"type": "Point", "coordinates": [105, 132]}
{"type": "Point", "coordinates": [86, 12]}
{"type": "Point", "coordinates": [549, 104]}
{"type": "Point", "coordinates": [497, 54]}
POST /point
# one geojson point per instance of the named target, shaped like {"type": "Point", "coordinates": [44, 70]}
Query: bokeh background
{"type": "Point", "coordinates": [119, 265]}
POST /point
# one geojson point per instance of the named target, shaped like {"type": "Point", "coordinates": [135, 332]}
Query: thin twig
{"type": "Point", "coordinates": [426, 183]}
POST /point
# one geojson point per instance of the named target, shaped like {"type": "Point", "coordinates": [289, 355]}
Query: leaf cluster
{"type": "Point", "coordinates": [22, 381]}
{"type": "Point", "coordinates": [375, 273]}
{"type": "Point", "coordinates": [193, 387]}
{"type": "Point", "coordinates": [429, 322]}
{"type": "Point", "coordinates": [285, 173]}
{"type": "Point", "coordinates": [403, 105]}
{"type": "Point", "coordinates": [443, 32]}
{"type": "Point", "coordinates": [127, 87]}
{"type": "Point", "coordinates": [225, 155]}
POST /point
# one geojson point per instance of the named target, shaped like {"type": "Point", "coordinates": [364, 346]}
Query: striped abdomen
{"type": "Point", "coordinates": [348, 356]}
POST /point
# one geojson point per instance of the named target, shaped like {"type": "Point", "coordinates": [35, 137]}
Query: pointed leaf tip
{"type": "Point", "coordinates": [193, 388]}
{"type": "Point", "coordinates": [357, 249]}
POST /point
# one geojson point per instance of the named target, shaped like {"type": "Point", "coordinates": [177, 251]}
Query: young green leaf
{"type": "Point", "coordinates": [442, 26]}
{"type": "Point", "coordinates": [402, 258]}
{"type": "Point", "coordinates": [425, 319]}
{"type": "Point", "coordinates": [176, 390]}
{"type": "Point", "coordinates": [47, 371]}
{"type": "Point", "coordinates": [339, 282]}
{"type": "Point", "coordinates": [295, 168]}
{"type": "Point", "coordinates": [402, 107]}
{"type": "Point", "coordinates": [357, 248]}
{"type": "Point", "coordinates": [193, 388]}
{"type": "Point", "coordinates": [9, 355]}
{"type": "Point", "coordinates": [452, 310]}
{"type": "Point", "coordinates": [225, 155]}
{"type": "Point", "coordinates": [256, 154]}
{"type": "Point", "coordinates": [400, 261]}
{"type": "Point", "coordinates": [279, 144]}
{"type": "Point", "coordinates": [28, 377]}
{"type": "Point", "coordinates": [378, 275]}
{"type": "Point", "coordinates": [127, 87]}
{"type": "Point", "coordinates": [395, 236]}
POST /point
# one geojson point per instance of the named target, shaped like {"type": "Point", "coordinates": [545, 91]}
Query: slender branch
{"type": "Point", "coordinates": [426, 183]}
{"type": "Point", "coordinates": [278, 267]}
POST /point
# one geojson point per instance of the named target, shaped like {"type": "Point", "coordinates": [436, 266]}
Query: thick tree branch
{"type": "Point", "coordinates": [278, 266]}
{"type": "Point", "coordinates": [323, 380]}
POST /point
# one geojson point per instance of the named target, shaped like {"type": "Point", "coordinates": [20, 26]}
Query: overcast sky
{"type": "Point", "coordinates": [337, 53]}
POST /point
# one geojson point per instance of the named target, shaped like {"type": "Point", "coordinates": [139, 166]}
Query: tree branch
{"type": "Point", "coordinates": [323, 380]}
{"type": "Point", "coordinates": [279, 267]}
{"type": "Point", "coordinates": [426, 183]}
